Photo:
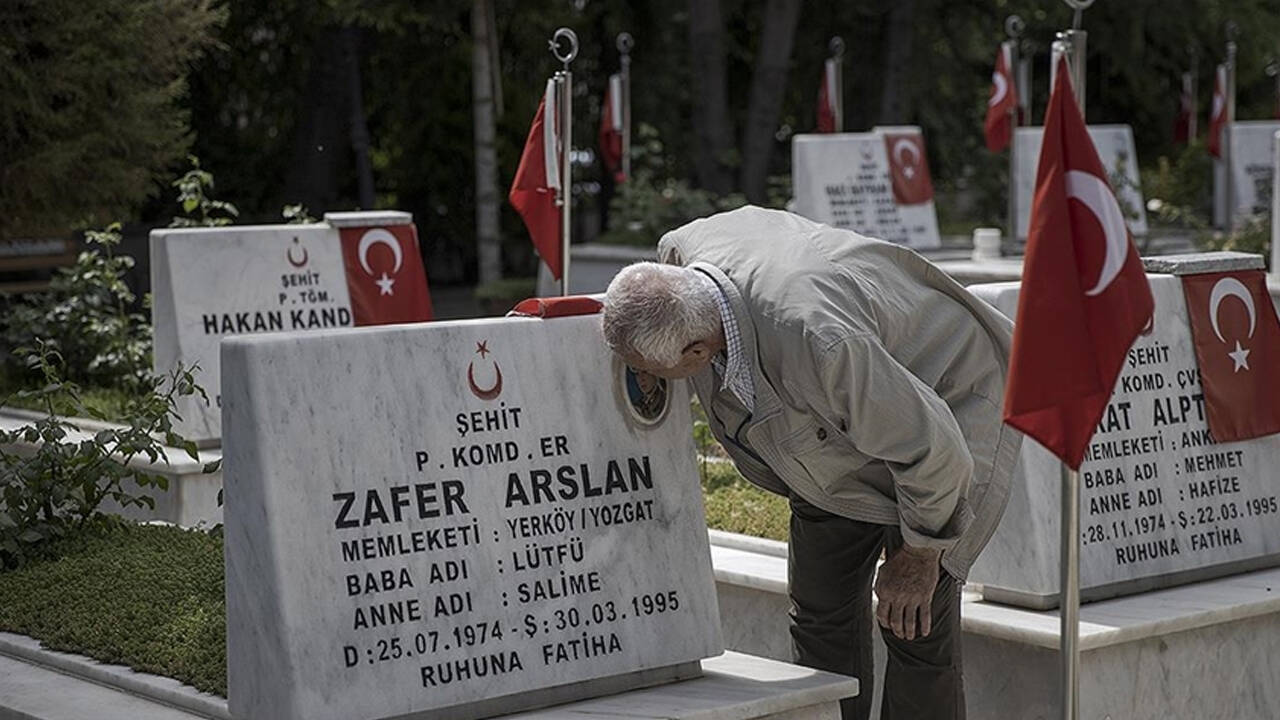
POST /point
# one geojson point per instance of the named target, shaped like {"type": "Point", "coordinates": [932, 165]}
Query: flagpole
{"type": "Point", "coordinates": [1014, 26]}
{"type": "Point", "coordinates": [625, 42]}
{"type": "Point", "coordinates": [564, 122]}
{"type": "Point", "coordinates": [1232, 31]}
{"type": "Point", "coordinates": [1195, 83]}
{"type": "Point", "coordinates": [836, 46]}
{"type": "Point", "coordinates": [1073, 44]}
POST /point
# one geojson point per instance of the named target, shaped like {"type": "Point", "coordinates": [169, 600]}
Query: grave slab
{"type": "Point", "coordinates": [846, 180]}
{"type": "Point", "coordinates": [210, 283]}
{"type": "Point", "coordinates": [1251, 171]}
{"type": "Point", "coordinates": [420, 518]}
{"type": "Point", "coordinates": [1161, 504]}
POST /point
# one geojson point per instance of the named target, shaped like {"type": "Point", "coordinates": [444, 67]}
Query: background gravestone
{"type": "Point", "coordinates": [208, 283]}
{"type": "Point", "coordinates": [1251, 152]}
{"type": "Point", "coordinates": [469, 517]}
{"type": "Point", "coordinates": [1115, 149]}
{"type": "Point", "coordinates": [1161, 504]}
{"type": "Point", "coordinates": [846, 180]}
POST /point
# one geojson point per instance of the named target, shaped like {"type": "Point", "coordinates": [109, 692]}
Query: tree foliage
{"type": "Point", "coordinates": [89, 111]}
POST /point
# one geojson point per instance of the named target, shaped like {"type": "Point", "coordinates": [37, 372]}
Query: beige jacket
{"type": "Point", "coordinates": [878, 379]}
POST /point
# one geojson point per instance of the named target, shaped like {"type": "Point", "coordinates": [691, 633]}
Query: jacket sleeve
{"type": "Point", "coordinates": [891, 415]}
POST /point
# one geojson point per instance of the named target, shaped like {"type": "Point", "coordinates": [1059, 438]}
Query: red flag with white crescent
{"type": "Point", "coordinates": [1182, 126]}
{"type": "Point", "coordinates": [827, 93]}
{"type": "Point", "coordinates": [385, 275]}
{"type": "Point", "coordinates": [1002, 101]}
{"type": "Point", "coordinates": [1085, 296]}
{"type": "Point", "coordinates": [1218, 112]}
{"type": "Point", "coordinates": [1237, 339]}
{"type": "Point", "coordinates": [611, 114]}
{"type": "Point", "coordinates": [908, 168]}
{"type": "Point", "coordinates": [533, 191]}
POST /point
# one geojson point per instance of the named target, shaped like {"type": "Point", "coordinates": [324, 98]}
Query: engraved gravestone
{"type": "Point", "coordinates": [461, 518]}
{"type": "Point", "coordinates": [1251, 171]}
{"type": "Point", "coordinates": [874, 183]}
{"type": "Point", "coordinates": [208, 283]}
{"type": "Point", "coordinates": [1116, 150]}
{"type": "Point", "coordinates": [1161, 503]}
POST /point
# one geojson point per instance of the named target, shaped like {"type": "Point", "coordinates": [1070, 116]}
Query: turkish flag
{"type": "Point", "coordinates": [1002, 101]}
{"type": "Point", "coordinates": [1085, 297]}
{"type": "Point", "coordinates": [1182, 126]}
{"type": "Point", "coordinates": [908, 168]}
{"type": "Point", "coordinates": [611, 128]}
{"type": "Point", "coordinates": [828, 91]}
{"type": "Point", "coordinates": [1218, 112]}
{"type": "Point", "coordinates": [533, 192]}
{"type": "Point", "coordinates": [385, 276]}
{"type": "Point", "coordinates": [1237, 339]}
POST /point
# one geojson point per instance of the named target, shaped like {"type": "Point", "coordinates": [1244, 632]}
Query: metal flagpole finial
{"type": "Point", "coordinates": [571, 37]}
{"type": "Point", "coordinates": [1079, 6]}
{"type": "Point", "coordinates": [625, 42]}
{"type": "Point", "coordinates": [1014, 26]}
{"type": "Point", "coordinates": [836, 46]}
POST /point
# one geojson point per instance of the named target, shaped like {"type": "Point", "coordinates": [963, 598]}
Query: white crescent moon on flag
{"type": "Point", "coordinates": [906, 146]}
{"type": "Point", "coordinates": [1002, 89]}
{"type": "Point", "coordinates": [1097, 196]}
{"type": "Point", "coordinates": [1223, 288]}
{"type": "Point", "coordinates": [373, 237]}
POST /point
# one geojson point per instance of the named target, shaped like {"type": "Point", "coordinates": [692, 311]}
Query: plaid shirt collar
{"type": "Point", "coordinates": [732, 365]}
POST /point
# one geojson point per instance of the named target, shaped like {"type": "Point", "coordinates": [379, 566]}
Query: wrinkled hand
{"type": "Point", "coordinates": [905, 587]}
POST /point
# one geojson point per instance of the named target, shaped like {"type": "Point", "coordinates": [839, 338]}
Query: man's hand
{"type": "Point", "coordinates": [905, 587]}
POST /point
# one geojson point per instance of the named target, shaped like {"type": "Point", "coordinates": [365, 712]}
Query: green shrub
{"type": "Point", "coordinates": [85, 318]}
{"type": "Point", "coordinates": [58, 487]}
{"type": "Point", "coordinates": [199, 209]}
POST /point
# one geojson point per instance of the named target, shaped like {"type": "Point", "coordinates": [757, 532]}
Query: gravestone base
{"type": "Point", "coordinates": [1206, 650]}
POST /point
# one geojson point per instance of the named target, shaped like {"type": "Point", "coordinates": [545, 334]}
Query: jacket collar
{"type": "Point", "coordinates": [767, 402]}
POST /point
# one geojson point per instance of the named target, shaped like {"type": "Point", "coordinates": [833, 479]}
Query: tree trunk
{"type": "Point", "coordinates": [488, 239]}
{"type": "Point", "coordinates": [313, 177]}
{"type": "Point", "coordinates": [710, 96]}
{"type": "Point", "coordinates": [768, 84]}
{"type": "Point", "coordinates": [896, 100]}
{"type": "Point", "coordinates": [351, 45]}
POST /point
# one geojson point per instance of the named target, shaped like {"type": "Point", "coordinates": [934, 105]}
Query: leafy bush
{"type": "Point", "coordinates": [84, 317]}
{"type": "Point", "coordinates": [1183, 185]}
{"type": "Point", "coordinates": [1253, 235]}
{"type": "Point", "coordinates": [59, 486]}
{"type": "Point", "coordinates": [148, 597]}
{"type": "Point", "coordinates": [195, 190]}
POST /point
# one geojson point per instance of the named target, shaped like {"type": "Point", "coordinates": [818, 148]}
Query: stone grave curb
{"type": "Point", "coordinates": [156, 688]}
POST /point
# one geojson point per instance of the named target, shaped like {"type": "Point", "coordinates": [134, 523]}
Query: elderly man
{"type": "Point", "coordinates": [853, 377]}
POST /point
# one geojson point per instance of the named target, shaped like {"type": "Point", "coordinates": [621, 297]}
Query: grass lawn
{"type": "Point", "coordinates": [152, 597]}
{"type": "Point", "coordinates": [148, 597]}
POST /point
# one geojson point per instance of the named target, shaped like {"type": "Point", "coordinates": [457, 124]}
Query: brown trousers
{"type": "Point", "coordinates": [832, 565]}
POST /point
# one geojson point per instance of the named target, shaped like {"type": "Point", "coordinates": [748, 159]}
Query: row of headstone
{"type": "Point", "coordinates": [1251, 172]}
{"type": "Point", "coordinates": [876, 183]}
{"type": "Point", "coordinates": [353, 269]}
{"type": "Point", "coordinates": [1161, 502]}
{"type": "Point", "coordinates": [460, 519]}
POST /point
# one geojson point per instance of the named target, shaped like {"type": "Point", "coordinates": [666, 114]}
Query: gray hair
{"type": "Point", "coordinates": [656, 310]}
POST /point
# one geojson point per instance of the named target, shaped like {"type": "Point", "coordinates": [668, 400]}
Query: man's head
{"type": "Point", "coordinates": [663, 319]}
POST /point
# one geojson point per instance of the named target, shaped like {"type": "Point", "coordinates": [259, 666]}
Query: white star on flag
{"type": "Point", "coordinates": [1240, 357]}
{"type": "Point", "coordinates": [384, 284]}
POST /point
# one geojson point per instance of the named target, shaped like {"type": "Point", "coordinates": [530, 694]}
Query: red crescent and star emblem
{"type": "Point", "coordinates": [493, 391]}
{"type": "Point", "coordinates": [289, 254]}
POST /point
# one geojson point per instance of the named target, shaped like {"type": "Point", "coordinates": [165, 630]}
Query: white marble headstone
{"type": "Point", "coordinates": [1251, 171]}
{"type": "Point", "coordinates": [1115, 148]}
{"type": "Point", "coordinates": [1161, 504]}
{"type": "Point", "coordinates": [424, 517]}
{"type": "Point", "coordinates": [843, 180]}
{"type": "Point", "coordinates": [209, 283]}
